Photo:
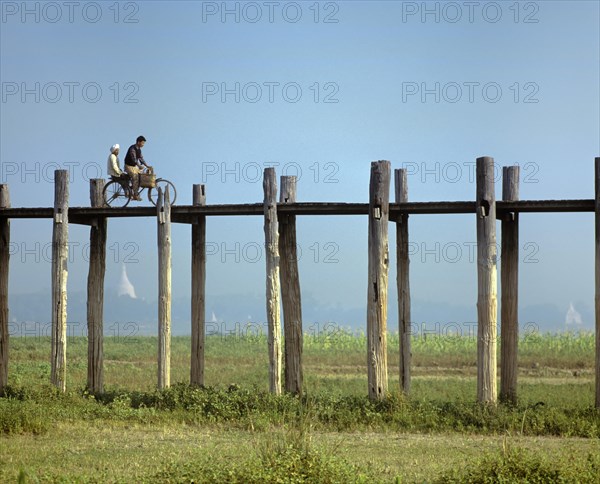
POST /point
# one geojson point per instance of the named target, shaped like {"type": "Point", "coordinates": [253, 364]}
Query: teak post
{"type": "Point", "coordinates": [402, 280]}
{"type": "Point", "coordinates": [290, 290]}
{"type": "Point", "coordinates": [509, 280]}
{"type": "Point", "coordinates": [597, 296]}
{"type": "Point", "coordinates": [487, 303]}
{"type": "Point", "coordinates": [272, 261]}
{"type": "Point", "coordinates": [95, 292]}
{"type": "Point", "coordinates": [4, 264]}
{"type": "Point", "coordinates": [198, 288]}
{"type": "Point", "coordinates": [379, 191]}
{"type": "Point", "coordinates": [163, 211]}
{"type": "Point", "coordinates": [60, 254]}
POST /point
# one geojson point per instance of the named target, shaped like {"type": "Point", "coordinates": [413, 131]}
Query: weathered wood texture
{"type": "Point", "coordinates": [4, 265]}
{"type": "Point", "coordinates": [509, 279]}
{"type": "Point", "coordinates": [198, 289]}
{"type": "Point", "coordinates": [60, 254]}
{"type": "Point", "coordinates": [185, 213]}
{"type": "Point", "coordinates": [597, 290]}
{"type": "Point", "coordinates": [378, 265]}
{"type": "Point", "coordinates": [163, 211]}
{"type": "Point", "coordinates": [272, 263]}
{"type": "Point", "coordinates": [487, 303]}
{"type": "Point", "coordinates": [95, 292]}
{"type": "Point", "coordinates": [290, 290]}
{"type": "Point", "coordinates": [403, 280]}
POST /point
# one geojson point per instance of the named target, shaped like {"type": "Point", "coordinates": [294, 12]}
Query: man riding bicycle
{"type": "Point", "coordinates": [118, 192]}
{"type": "Point", "coordinates": [134, 161]}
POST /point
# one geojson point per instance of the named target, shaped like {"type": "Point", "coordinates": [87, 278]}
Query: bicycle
{"type": "Point", "coordinates": [118, 192]}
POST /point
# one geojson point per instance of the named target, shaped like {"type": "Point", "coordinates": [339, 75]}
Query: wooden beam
{"type": "Point", "coordinates": [509, 325]}
{"type": "Point", "coordinates": [95, 292]}
{"type": "Point", "coordinates": [4, 266]}
{"type": "Point", "coordinates": [487, 305]}
{"type": "Point", "coordinates": [272, 261]}
{"type": "Point", "coordinates": [163, 214]}
{"type": "Point", "coordinates": [60, 254]}
{"type": "Point", "coordinates": [198, 288]}
{"type": "Point", "coordinates": [545, 206]}
{"type": "Point", "coordinates": [186, 213]}
{"type": "Point", "coordinates": [402, 280]}
{"type": "Point", "coordinates": [290, 290]}
{"type": "Point", "coordinates": [379, 192]}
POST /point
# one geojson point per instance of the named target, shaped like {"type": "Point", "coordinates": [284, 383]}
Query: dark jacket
{"type": "Point", "coordinates": [133, 155]}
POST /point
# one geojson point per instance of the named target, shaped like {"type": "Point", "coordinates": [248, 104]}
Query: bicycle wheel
{"type": "Point", "coordinates": [162, 183]}
{"type": "Point", "coordinates": [115, 195]}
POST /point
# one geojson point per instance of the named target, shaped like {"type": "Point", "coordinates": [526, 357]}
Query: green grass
{"type": "Point", "coordinates": [234, 430]}
{"type": "Point", "coordinates": [514, 464]}
{"type": "Point", "coordinates": [334, 361]}
{"type": "Point", "coordinates": [117, 452]}
{"type": "Point", "coordinates": [36, 411]}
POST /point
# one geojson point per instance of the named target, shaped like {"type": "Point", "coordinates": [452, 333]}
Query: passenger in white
{"type": "Point", "coordinates": [113, 162]}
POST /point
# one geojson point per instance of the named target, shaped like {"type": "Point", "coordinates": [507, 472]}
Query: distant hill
{"type": "Point", "coordinates": [30, 314]}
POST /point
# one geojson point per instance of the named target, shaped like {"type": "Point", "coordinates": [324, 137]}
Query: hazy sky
{"type": "Point", "coordinates": [221, 90]}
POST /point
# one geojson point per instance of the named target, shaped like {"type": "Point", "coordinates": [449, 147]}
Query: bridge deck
{"type": "Point", "coordinates": [183, 212]}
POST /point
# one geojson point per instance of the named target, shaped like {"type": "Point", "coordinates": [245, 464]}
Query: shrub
{"type": "Point", "coordinates": [520, 465]}
{"type": "Point", "coordinates": [22, 417]}
{"type": "Point", "coordinates": [288, 458]}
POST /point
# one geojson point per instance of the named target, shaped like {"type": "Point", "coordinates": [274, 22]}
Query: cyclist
{"type": "Point", "coordinates": [133, 164]}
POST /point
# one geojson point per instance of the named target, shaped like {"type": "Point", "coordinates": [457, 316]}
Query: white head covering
{"type": "Point", "coordinates": [114, 147]}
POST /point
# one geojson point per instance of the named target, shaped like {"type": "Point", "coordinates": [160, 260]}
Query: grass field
{"type": "Point", "coordinates": [235, 431]}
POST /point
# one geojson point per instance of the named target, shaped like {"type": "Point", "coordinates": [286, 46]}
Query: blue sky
{"type": "Point", "coordinates": [547, 52]}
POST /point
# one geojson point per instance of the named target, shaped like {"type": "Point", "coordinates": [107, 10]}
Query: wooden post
{"type": "Point", "coordinates": [403, 281]}
{"type": "Point", "coordinates": [95, 292]}
{"type": "Point", "coordinates": [290, 291]}
{"type": "Point", "coordinates": [198, 288]}
{"type": "Point", "coordinates": [487, 303]}
{"type": "Point", "coordinates": [272, 259]}
{"type": "Point", "coordinates": [163, 211]}
{"type": "Point", "coordinates": [60, 253]}
{"type": "Point", "coordinates": [509, 280]}
{"type": "Point", "coordinates": [4, 263]}
{"type": "Point", "coordinates": [379, 191]}
{"type": "Point", "coordinates": [597, 301]}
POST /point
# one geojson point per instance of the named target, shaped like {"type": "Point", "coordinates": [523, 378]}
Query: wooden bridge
{"type": "Point", "coordinates": [182, 213]}
{"type": "Point", "coordinates": [283, 278]}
